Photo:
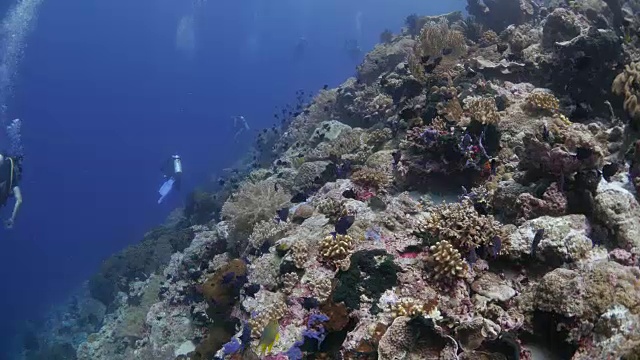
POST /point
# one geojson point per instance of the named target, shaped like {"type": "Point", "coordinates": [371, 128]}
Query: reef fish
{"type": "Point", "coordinates": [344, 223]}
{"type": "Point", "coordinates": [269, 336]}
{"type": "Point", "coordinates": [283, 214]}
{"type": "Point", "coordinates": [536, 240]}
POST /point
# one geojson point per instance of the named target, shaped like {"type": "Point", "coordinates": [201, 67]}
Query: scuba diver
{"type": "Point", "coordinates": [10, 176]}
{"type": "Point", "coordinates": [353, 49]}
{"type": "Point", "coordinates": [172, 170]}
{"type": "Point", "coordinates": [300, 48]}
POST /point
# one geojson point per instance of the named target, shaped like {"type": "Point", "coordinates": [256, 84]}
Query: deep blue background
{"type": "Point", "coordinates": [105, 97]}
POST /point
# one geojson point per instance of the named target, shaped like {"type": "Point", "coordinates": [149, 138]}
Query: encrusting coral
{"type": "Point", "coordinates": [541, 102]}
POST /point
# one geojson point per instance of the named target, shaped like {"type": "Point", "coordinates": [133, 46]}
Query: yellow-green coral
{"type": "Point", "coordinates": [412, 307]}
{"type": "Point", "coordinates": [451, 110]}
{"type": "Point", "coordinates": [541, 102]}
{"type": "Point", "coordinates": [332, 209]}
{"type": "Point", "coordinates": [488, 38]}
{"type": "Point", "coordinates": [273, 313]}
{"type": "Point", "coordinates": [372, 179]}
{"type": "Point", "coordinates": [446, 261]}
{"type": "Point", "coordinates": [299, 254]}
{"type": "Point", "coordinates": [483, 110]}
{"type": "Point", "coordinates": [334, 248]}
{"type": "Point", "coordinates": [627, 84]}
{"type": "Point", "coordinates": [461, 225]}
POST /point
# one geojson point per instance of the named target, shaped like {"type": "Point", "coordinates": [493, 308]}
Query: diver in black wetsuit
{"type": "Point", "coordinates": [10, 176]}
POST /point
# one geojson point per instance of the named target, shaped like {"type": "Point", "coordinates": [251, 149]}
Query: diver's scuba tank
{"type": "Point", "coordinates": [177, 164]}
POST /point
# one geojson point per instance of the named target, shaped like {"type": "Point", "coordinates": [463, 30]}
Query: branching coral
{"type": "Point", "coordinates": [627, 84]}
{"type": "Point", "coordinates": [371, 179]}
{"type": "Point", "coordinates": [321, 289]}
{"type": "Point", "coordinates": [451, 110]}
{"type": "Point", "coordinates": [483, 110]}
{"type": "Point", "coordinates": [412, 307]}
{"type": "Point", "coordinates": [541, 102]}
{"type": "Point", "coordinates": [446, 261]}
{"type": "Point", "coordinates": [299, 254]}
{"type": "Point", "coordinates": [461, 225]}
{"type": "Point", "coordinates": [332, 208]}
{"type": "Point", "coordinates": [258, 322]}
{"type": "Point", "coordinates": [334, 248]}
{"type": "Point", "coordinates": [289, 281]}
{"type": "Point", "coordinates": [267, 230]}
{"type": "Point", "coordinates": [253, 202]}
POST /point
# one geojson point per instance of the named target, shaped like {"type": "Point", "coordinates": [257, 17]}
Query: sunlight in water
{"type": "Point", "coordinates": [186, 35]}
{"type": "Point", "coordinates": [15, 28]}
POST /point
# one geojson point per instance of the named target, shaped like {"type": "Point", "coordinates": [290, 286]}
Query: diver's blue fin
{"type": "Point", "coordinates": [165, 188]}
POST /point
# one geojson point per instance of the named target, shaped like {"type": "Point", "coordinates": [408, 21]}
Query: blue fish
{"type": "Point", "coordinates": [496, 245]}
{"type": "Point", "coordinates": [283, 214]}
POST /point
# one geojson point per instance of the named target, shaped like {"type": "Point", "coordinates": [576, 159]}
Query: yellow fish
{"type": "Point", "coordinates": [269, 337]}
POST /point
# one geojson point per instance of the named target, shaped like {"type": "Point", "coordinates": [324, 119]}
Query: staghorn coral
{"type": "Point", "coordinates": [627, 84]}
{"type": "Point", "coordinates": [483, 110]}
{"type": "Point", "coordinates": [460, 225]}
{"type": "Point", "coordinates": [371, 179]}
{"type": "Point", "coordinates": [253, 202]}
{"type": "Point", "coordinates": [541, 102]}
{"type": "Point", "coordinates": [334, 248]}
{"type": "Point", "coordinates": [446, 261]}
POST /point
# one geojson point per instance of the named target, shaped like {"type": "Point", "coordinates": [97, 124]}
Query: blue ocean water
{"type": "Point", "coordinates": [107, 90]}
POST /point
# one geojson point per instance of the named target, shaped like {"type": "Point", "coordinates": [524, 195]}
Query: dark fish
{"type": "Point", "coordinates": [325, 87]}
{"type": "Point", "coordinates": [473, 257]}
{"type": "Point", "coordinates": [306, 111]}
{"type": "Point", "coordinates": [471, 73]}
{"type": "Point", "coordinates": [582, 62]}
{"type": "Point", "coordinates": [496, 245]}
{"type": "Point", "coordinates": [609, 170]}
{"type": "Point", "coordinates": [349, 194]}
{"type": "Point", "coordinates": [425, 58]}
{"type": "Point", "coordinates": [228, 277]}
{"type": "Point", "coordinates": [295, 114]}
{"type": "Point", "coordinates": [583, 153]}
{"type": "Point", "coordinates": [344, 223]}
{"type": "Point", "coordinates": [298, 198]}
{"type": "Point", "coordinates": [429, 67]}
{"type": "Point", "coordinates": [447, 51]}
{"type": "Point", "coordinates": [283, 214]}
{"type": "Point", "coordinates": [251, 290]}
{"type": "Point", "coordinates": [396, 157]}
{"type": "Point", "coordinates": [481, 207]}
{"type": "Point", "coordinates": [545, 132]}
{"type": "Point", "coordinates": [221, 181]}
{"type": "Point", "coordinates": [536, 240]}
{"type": "Point", "coordinates": [326, 108]}
{"type": "Point", "coordinates": [494, 165]}
{"type": "Point", "coordinates": [275, 186]}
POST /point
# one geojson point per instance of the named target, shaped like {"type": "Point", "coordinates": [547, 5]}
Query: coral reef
{"type": "Point", "coordinates": [471, 194]}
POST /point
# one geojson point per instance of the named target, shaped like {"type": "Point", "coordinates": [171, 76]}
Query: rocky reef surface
{"type": "Point", "coordinates": [471, 194]}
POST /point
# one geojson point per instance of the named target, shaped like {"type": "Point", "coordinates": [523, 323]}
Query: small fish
{"type": "Point", "coordinates": [447, 51]}
{"type": "Point", "coordinates": [275, 186]}
{"type": "Point", "coordinates": [221, 181]}
{"type": "Point", "coordinates": [397, 155]}
{"type": "Point", "coordinates": [496, 245]}
{"type": "Point", "coordinates": [270, 335]}
{"type": "Point", "coordinates": [344, 223]}
{"type": "Point", "coordinates": [325, 87]}
{"type": "Point", "coordinates": [283, 214]}
{"type": "Point", "coordinates": [228, 277]}
{"type": "Point", "coordinates": [425, 58]}
{"type": "Point", "coordinates": [472, 257]}
{"type": "Point", "coordinates": [481, 207]}
{"type": "Point", "coordinates": [536, 240]}
{"type": "Point", "coordinates": [494, 166]}
{"type": "Point", "coordinates": [430, 67]}
{"type": "Point", "coordinates": [583, 153]}
{"type": "Point", "coordinates": [610, 170]}
{"type": "Point", "coordinates": [349, 194]}
{"type": "Point", "coordinates": [298, 198]}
